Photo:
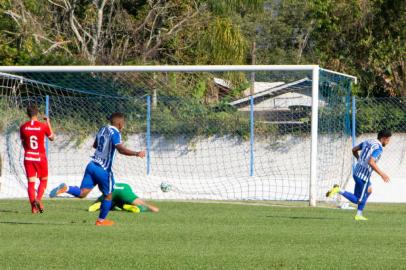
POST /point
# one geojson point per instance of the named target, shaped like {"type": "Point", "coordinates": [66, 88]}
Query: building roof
{"type": "Point", "coordinates": [261, 86]}
{"type": "Point", "coordinates": [258, 86]}
{"type": "Point", "coordinates": [222, 83]}
{"type": "Point", "coordinates": [302, 86]}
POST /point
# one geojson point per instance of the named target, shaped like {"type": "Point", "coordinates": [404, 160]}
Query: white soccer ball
{"type": "Point", "coordinates": [165, 187]}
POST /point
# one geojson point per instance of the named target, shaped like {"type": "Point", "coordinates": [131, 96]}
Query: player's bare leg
{"type": "Point", "coordinates": [84, 192]}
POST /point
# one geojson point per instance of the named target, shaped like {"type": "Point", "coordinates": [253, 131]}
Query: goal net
{"type": "Point", "coordinates": [216, 133]}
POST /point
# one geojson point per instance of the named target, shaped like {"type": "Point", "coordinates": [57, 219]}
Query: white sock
{"type": "Point", "coordinates": [359, 213]}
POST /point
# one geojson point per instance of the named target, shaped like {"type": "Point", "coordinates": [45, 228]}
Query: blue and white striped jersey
{"type": "Point", "coordinates": [107, 138]}
{"type": "Point", "coordinates": [369, 149]}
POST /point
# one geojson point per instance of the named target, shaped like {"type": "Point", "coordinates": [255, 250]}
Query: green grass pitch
{"type": "Point", "coordinates": [186, 235]}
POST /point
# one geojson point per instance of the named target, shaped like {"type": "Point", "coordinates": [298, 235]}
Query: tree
{"type": "Point", "coordinates": [110, 31]}
{"type": "Point", "coordinates": [365, 38]}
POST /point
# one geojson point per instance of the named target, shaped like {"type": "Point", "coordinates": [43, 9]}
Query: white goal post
{"type": "Point", "coordinates": [315, 88]}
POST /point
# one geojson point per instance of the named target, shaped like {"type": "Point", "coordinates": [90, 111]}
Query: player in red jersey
{"type": "Point", "coordinates": [32, 134]}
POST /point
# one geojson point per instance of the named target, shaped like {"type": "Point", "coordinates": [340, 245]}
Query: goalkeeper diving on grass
{"type": "Point", "coordinates": [99, 170]}
{"type": "Point", "coordinates": [371, 151]}
{"type": "Point", "coordinates": [125, 199]}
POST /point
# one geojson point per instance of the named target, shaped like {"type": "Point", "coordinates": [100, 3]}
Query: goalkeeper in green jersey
{"type": "Point", "coordinates": [124, 198]}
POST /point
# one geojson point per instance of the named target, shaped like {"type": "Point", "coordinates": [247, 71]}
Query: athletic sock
{"type": "Point", "coordinates": [104, 209]}
{"type": "Point", "coordinates": [41, 189]}
{"type": "Point", "coordinates": [74, 191]}
{"type": "Point", "coordinates": [359, 213]}
{"type": "Point", "coordinates": [349, 196]}
{"type": "Point", "coordinates": [362, 204]}
{"type": "Point", "coordinates": [31, 191]}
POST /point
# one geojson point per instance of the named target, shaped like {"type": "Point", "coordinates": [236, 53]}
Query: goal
{"type": "Point", "coordinates": [211, 132]}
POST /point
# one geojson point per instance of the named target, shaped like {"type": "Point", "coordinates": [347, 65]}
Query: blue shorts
{"type": "Point", "coordinates": [361, 187]}
{"type": "Point", "coordinates": [96, 175]}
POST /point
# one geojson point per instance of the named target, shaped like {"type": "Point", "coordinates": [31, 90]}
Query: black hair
{"type": "Point", "coordinates": [116, 115]}
{"type": "Point", "coordinates": [385, 133]}
{"type": "Point", "coordinates": [32, 110]}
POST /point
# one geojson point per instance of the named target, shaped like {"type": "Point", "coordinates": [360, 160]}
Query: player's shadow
{"type": "Point", "coordinates": [303, 217]}
{"type": "Point", "coordinates": [39, 223]}
{"type": "Point", "coordinates": [8, 211]}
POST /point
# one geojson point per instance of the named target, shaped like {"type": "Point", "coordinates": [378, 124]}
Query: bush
{"type": "Point", "coordinates": [379, 113]}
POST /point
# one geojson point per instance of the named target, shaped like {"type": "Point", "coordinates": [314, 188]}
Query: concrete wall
{"type": "Point", "coordinates": [214, 168]}
{"type": "Point", "coordinates": [393, 162]}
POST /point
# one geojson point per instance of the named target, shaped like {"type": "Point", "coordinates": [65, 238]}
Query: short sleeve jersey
{"type": "Point", "coordinates": [369, 149]}
{"type": "Point", "coordinates": [107, 139]}
{"type": "Point", "coordinates": [33, 134]}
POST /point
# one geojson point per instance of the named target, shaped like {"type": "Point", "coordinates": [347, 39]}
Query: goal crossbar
{"type": "Point", "coordinates": [314, 69]}
{"type": "Point", "coordinates": [163, 68]}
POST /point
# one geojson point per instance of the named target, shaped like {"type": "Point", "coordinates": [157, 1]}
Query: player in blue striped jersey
{"type": "Point", "coordinates": [99, 170]}
{"type": "Point", "coordinates": [371, 151]}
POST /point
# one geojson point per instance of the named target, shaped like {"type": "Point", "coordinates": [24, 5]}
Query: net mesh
{"type": "Point", "coordinates": [197, 128]}
{"type": "Point", "coordinates": [375, 114]}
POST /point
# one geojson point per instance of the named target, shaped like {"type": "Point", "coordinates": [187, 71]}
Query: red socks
{"type": "Point", "coordinates": [31, 191]}
{"type": "Point", "coordinates": [41, 189]}
{"type": "Point", "coordinates": [31, 195]}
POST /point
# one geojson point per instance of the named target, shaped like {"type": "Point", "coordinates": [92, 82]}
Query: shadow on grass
{"type": "Point", "coordinates": [9, 211]}
{"type": "Point", "coordinates": [42, 223]}
{"type": "Point", "coordinates": [304, 218]}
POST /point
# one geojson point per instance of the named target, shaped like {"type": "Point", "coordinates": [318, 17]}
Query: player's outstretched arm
{"type": "Point", "coordinates": [144, 206]}
{"type": "Point", "coordinates": [51, 137]}
{"type": "Point", "coordinates": [375, 167]}
{"type": "Point", "coordinates": [127, 152]}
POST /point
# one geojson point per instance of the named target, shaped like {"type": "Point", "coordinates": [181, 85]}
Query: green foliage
{"type": "Point", "coordinates": [85, 115]}
{"type": "Point", "coordinates": [278, 31]}
{"type": "Point", "coordinates": [80, 117]}
{"type": "Point", "coordinates": [199, 90]}
{"type": "Point", "coordinates": [224, 42]}
{"type": "Point", "coordinates": [332, 119]}
{"type": "Point", "coordinates": [363, 38]}
{"type": "Point", "coordinates": [376, 114]}
{"type": "Point", "coordinates": [175, 117]}
{"type": "Point", "coordinates": [236, 91]}
{"type": "Point", "coordinates": [11, 117]}
{"type": "Point", "coordinates": [228, 7]}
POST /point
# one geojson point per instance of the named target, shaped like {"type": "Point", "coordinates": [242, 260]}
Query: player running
{"type": "Point", "coordinates": [371, 151]}
{"type": "Point", "coordinates": [32, 134]}
{"type": "Point", "coordinates": [125, 198]}
{"type": "Point", "coordinates": [99, 170]}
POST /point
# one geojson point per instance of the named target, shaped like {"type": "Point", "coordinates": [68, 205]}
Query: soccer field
{"type": "Point", "coordinates": [202, 236]}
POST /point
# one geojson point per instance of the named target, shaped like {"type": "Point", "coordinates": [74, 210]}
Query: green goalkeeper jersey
{"type": "Point", "coordinates": [122, 194]}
